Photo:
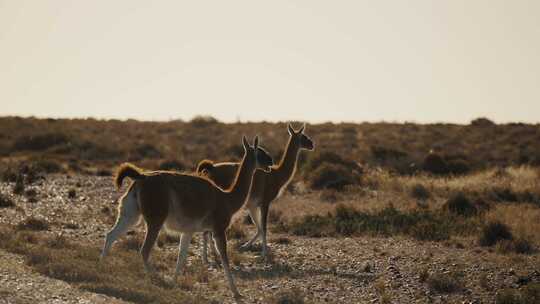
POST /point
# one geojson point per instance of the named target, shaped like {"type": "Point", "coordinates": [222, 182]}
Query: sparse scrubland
{"type": "Point", "coordinates": [384, 213]}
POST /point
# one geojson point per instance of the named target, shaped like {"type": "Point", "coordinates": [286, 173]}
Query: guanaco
{"type": "Point", "coordinates": [267, 186]}
{"type": "Point", "coordinates": [185, 204]}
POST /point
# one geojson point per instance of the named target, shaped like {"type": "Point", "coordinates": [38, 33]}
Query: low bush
{"type": "Point", "coordinates": [385, 154]}
{"type": "Point", "coordinates": [434, 163]}
{"type": "Point", "coordinates": [519, 245]}
{"type": "Point", "coordinates": [45, 166]}
{"type": "Point", "coordinates": [420, 192]}
{"type": "Point", "coordinates": [145, 151]}
{"type": "Point", "coordinates": [172, 165]}
{"type": "Point", "coordinates": [332, 176]}
{"type": "Point", "coordinates": [39, 142]}
{"type": "Point", "coordinates": [72, 193]}
{"type": "Point", "coordinates": [293, 296]}
{"type": "Point", "coordinates": [444, 283]}
{"type": "Point", "coordinates": [32, 223]}
{"type": "Point", "coordinates": [494, 232]}
{"type": "Point", "coordinates": [6, 201]}
{"type": "Point", "coordinates": [482, 122]}
{"type": "Point", "coordinates": [530, 294]}
{"type": "Point", "coordinates": [317, 159]}
{"type": "Point", "coordinates": [201, 121]}
{"type": "Point", "coordinates": [419, 224]}
{"type": "Point", "coordinates": [459, 204]}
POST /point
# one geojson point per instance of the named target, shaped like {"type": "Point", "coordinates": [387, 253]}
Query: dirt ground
{"type": "Point", "coordinates": [323, 270]}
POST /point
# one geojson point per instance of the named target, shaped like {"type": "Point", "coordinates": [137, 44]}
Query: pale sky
{"type": "Point", "coordinates": [414, 60]}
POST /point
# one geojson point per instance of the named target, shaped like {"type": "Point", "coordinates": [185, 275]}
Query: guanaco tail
{"type": "Point", "coordinates": [186, 204]}
{"type": "Point", "coordinates": [267, 186]}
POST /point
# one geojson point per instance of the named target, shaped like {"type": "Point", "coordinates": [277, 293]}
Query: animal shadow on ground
{"type": "Point", "coordinates": [279, 269]}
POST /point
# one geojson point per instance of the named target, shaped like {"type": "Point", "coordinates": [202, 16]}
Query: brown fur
{"type": "Point", "coordinates": [185, 203]}
{"type": "Point", "coordinates": [127, 170]}
{"type": "Point", "coordinates": [266, 185]}
{"type": "Point", "coordinates": [205, 165]}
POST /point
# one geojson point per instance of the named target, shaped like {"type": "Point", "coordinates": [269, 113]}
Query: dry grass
{"type": "Point", "coordinates": [425, 207]}
{"type": "Point", "coordinates": [523, 219]}
{"type": "Point", "coordinates": [530, 294]}
{"type": "Point", "coordinates": [32, 223]}
{"type": "Point", "coordinates": [293, 296]}
{"type": "Point", "coordinates": [121, 275]}
{"type": "Point", "coordinates": [444, 283]}
{"type": "Point", "coordinates": [86, 143]}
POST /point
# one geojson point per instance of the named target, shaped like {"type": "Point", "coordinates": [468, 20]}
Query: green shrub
{"type": "Point", "coordinates": [494, 232]}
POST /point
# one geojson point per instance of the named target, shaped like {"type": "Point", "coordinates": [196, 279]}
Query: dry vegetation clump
{"type": "Point", "coordinates": [33, 223]}
{"type": "Point", "coordinates": [530, 294]}
{"type": "Point", "coordinates": [40, 142]}
{"type": "Point", "coordinates": [420, 192]}
{"type": "Point", "coordinates": [19, 185]}
{"type": "Point", "coordinates": [494, 232]}
{"type": "Point", "coordinates": [437, 164]}
{"type": "Point", "coordinates": [328, 170]}
{"type": "Point", "coordinates": [332, 176]}
{"type": "Point", "coordinates": [459, 204]}
{"type": "Point", "coordinates": [399, 148]}
{"type": "Point", "coordinates": [6, 201]}
{"type": "Point", "coordinates": [419, 224]}
{"type": "Point", "coordinates": [445, 283]}
{"type": "Point", "coordinates": [79, 265]}
{"type": "Point", "coordinates": [236, 231]}
{"type": "Point", "coordinates": [520, 245]}
{"type": "Point", "coordinates": [292, 296]}
{"type": "Point", "coordinates": [72, 193]}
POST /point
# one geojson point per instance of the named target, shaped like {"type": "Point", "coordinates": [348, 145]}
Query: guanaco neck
{"type": "Point", "coordinates": [240, 188]}
{"type": "Point", "coordinates": [287, 164]}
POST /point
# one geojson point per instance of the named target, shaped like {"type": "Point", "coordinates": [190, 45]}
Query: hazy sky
{"type": "Point", "coordinates": [414, 60]}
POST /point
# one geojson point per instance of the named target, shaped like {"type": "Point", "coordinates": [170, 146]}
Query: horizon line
{"type": "Point", "coordinates": [239, 120]}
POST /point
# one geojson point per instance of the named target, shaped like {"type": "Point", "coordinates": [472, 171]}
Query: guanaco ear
{"type": "Point", "coordinates": [290, 129]}
{"type": "Point", "coordinates": [256, 142]}
{"type": "Point", "coordinates": [245, 142]}
{"type": "Point", "coordinates": [302, 128]}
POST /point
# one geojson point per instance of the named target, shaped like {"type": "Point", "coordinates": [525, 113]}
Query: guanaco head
{"type": "Point", "coordinates": [299, 138]}
{"type": "Point", "coordinates": [257, 155]}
